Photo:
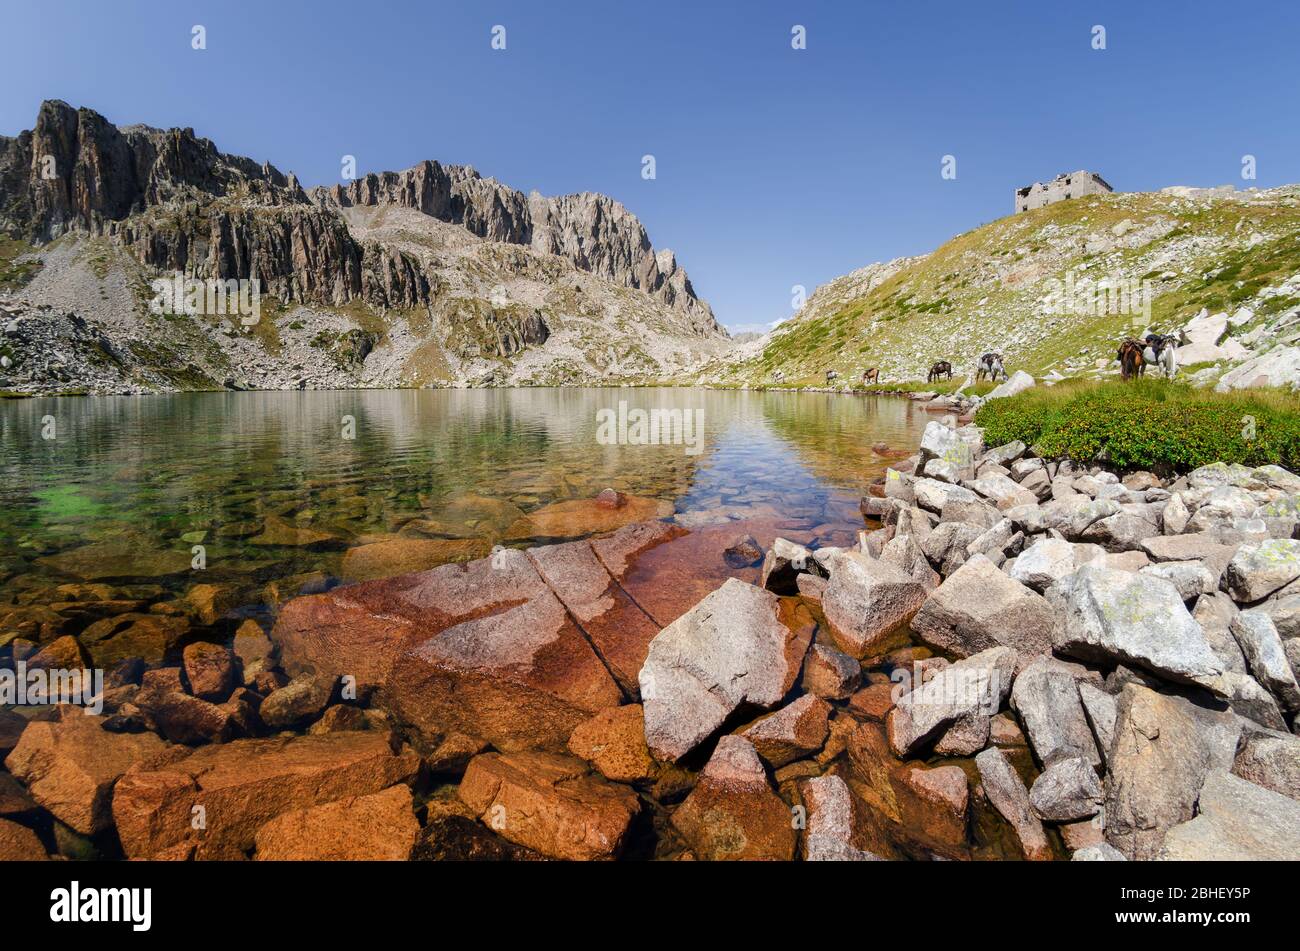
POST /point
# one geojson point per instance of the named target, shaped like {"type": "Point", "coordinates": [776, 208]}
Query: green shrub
{"type": "Point", "coordinates": [1149, 424]}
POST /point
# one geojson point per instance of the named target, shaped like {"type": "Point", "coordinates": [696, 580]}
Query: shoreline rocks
{"type": "Point", "coordinates": [1017, 654]}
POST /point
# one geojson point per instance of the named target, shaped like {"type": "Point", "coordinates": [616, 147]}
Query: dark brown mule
{"type": "Point", "coordinates": [938, 370]}
{"type": "Point", "coordinates": [1131, 362]}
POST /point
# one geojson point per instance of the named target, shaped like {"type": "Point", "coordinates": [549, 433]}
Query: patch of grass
{"type": "Point", "coordinates": [1149, 424]}
{"type": "Point", "coordinates": [14, 274]}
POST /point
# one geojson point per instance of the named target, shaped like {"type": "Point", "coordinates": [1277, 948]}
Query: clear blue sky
{"type": "Point", "coordinates": [775, 167]}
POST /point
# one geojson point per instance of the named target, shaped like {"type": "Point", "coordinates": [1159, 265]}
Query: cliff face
{"type": "Point", "coordinates": [594, 232]}
{"type": "Point", "coordinates": [492, 273]}
{"type": "Point", "coordinates": [77, 171]}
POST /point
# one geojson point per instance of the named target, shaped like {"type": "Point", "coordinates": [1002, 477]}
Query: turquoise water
{"type": "Point", "coordinates": [275, 486]}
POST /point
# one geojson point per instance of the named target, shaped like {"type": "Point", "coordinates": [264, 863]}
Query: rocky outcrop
{"type": "Point", "coordinates": [102, 174]}
{"type": "Point", "coordinates": [485, 649]}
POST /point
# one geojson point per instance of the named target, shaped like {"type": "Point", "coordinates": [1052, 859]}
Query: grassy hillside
{"type": "Point", "coordinates": [987, 289]}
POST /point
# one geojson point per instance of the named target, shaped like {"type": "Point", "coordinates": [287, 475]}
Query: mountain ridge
{"type": "Point", "coordinates": [442, 301]}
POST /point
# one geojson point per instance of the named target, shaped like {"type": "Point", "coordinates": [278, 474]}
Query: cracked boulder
{"type": "Point", "coordinates": [731, 648]}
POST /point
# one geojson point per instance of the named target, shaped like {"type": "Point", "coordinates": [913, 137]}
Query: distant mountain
{"type": "Point", "coordinates": [429, 276]}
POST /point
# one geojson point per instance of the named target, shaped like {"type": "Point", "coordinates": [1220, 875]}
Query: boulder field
{"type": "Point", "coordinates": [1019, 658]}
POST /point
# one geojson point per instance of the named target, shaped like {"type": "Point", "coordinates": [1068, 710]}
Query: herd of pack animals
{"type": "Point", "coordinates": [1134, 356]}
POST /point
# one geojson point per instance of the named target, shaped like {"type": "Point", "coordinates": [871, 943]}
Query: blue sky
{"type": "Point", "coordinates": [775, 167]}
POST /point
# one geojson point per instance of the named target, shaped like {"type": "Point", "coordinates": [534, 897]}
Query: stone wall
{"type": "Point", "coordinates": [1063, 186]}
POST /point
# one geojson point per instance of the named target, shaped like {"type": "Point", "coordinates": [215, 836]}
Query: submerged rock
{"type": "Point", "coordinates": [550, 803]}
{"type": "Point", "coordinates": [732, 812]}
{"type": "Point", "coordinates": [210, 670]}
{"type": "Point", "coordinates": [236, 788]}
{"type": "Point", "coordinates": [579, 517]}
{"type": "Point", "coordinates": [400, 556]}
{"type": "Point", "coordinates": [71, 764]}
{"type": "Point", "coordinates": [377, 827]}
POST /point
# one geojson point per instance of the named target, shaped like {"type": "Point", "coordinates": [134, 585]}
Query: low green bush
{"type": "Point", "coordinates": [1149, 424]}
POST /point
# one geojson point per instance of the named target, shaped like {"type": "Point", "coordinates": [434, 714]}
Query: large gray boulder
{"type": "Point", "coordinates": [1236, 821]}
{"type": "Point", "coordinates": [1257, 570]}
{"type": "Point", "coordinates": [867, 601]}
{"type": "Point", "coordinates": [1191, 578]}
{"type": "Point", "coordinates": [1270, 758]}
{"type": "Point", "coordinates": [1260, 643]}
{"type": "Point", "coordinates": [995, 542]}
{"type": "Point", "coordinates": [946, 547]}
{"type": "Point", "coordinates": [933, 495]}
{"type": "Point", "coordinates": [1045, 562]}
{"type": "Point", "coordinates": [1018, 383]}
{"type": "Point", "coordinates": [1046, 696]}
{"type": "Point", "coordinates": [943, 442]}
{"type": "Point", "coordinates": [903, 552]}
{"type": "Point", "coordinates": [1001, 490]}
{"type": "Point", "coordinates": [973, 687]}
{"type": "Point", "coordinates": [1164, 747]}
{"type": "Point", "coordinates": [1123, 532]}
{"type": "Point", "coordinates": [979, 607]}
{"type": "Point", "coordinates": [727, 650]}
{"type": "Point", "coordinates": [1070, 517]}
{"type": "Point", "coordinates": [1067, 791]}
{"type": "Point", "coordinates": [1212, 549]}
{"type": "Point", "coordinates": [1008, 453]}
{"type": "Point", "coordinates": [1108, 615]}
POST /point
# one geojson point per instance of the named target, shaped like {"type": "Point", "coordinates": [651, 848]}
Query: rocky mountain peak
{"type": "Point", "coordinates": [75, 170]}
{"type": "Point", "coordinates": [595, 232]}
